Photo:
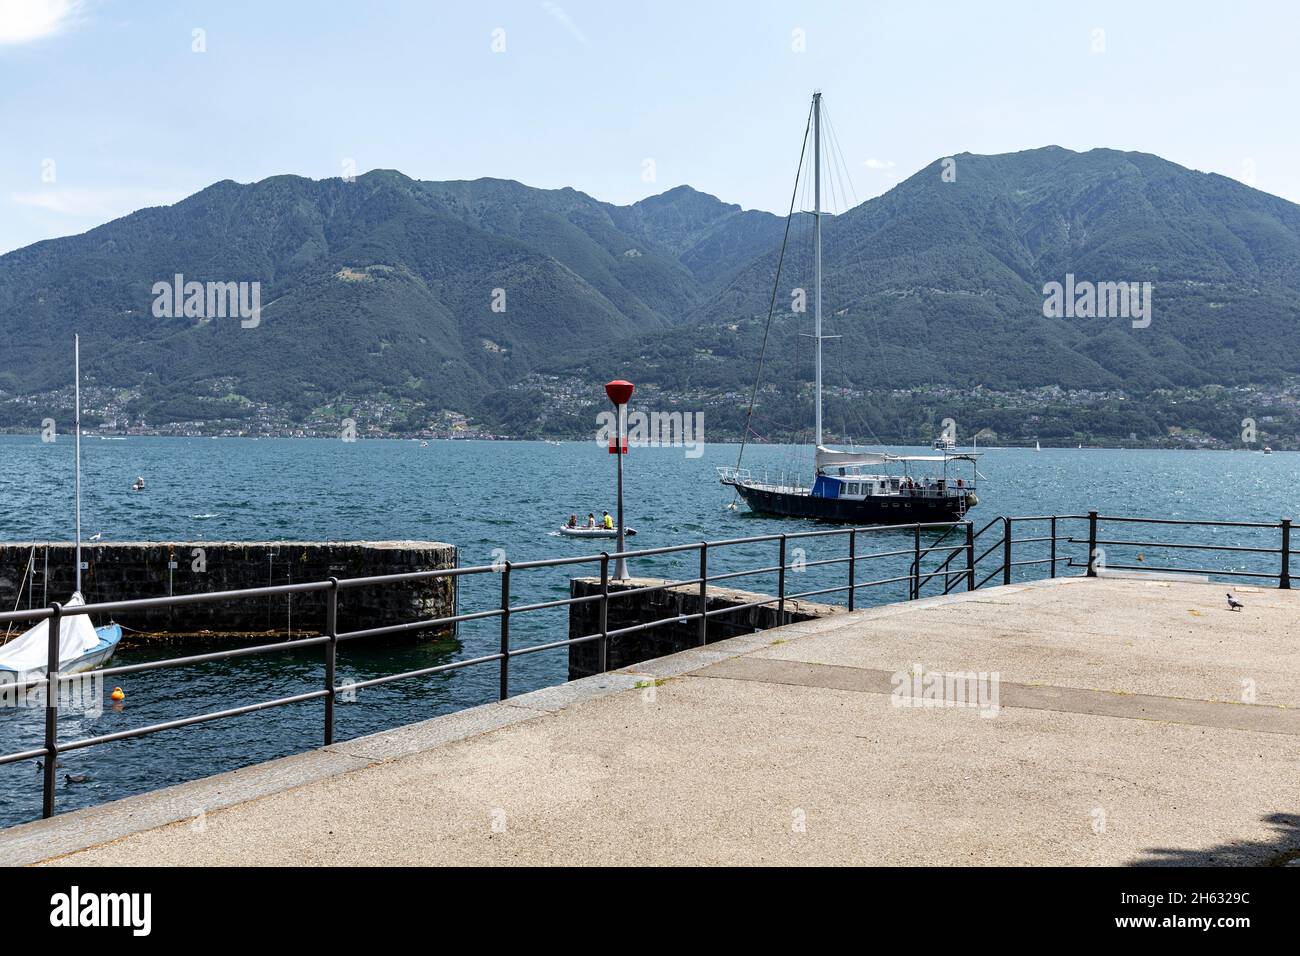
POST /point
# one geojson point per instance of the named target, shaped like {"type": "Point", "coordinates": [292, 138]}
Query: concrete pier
{"type": "Point", "coordinates": [1137, 722]}
{"type": "Point", "coordinates": [125, 571]}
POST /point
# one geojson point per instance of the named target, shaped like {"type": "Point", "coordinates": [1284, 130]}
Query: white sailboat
{"type": "Point", "coordinates": [82, 646]}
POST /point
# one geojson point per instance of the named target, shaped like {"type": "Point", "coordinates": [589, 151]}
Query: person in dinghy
{"type": "Point", "coordinates": [602, 528]}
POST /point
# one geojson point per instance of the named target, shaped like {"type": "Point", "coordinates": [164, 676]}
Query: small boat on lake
{"type": "Point", "coordinates": [597, 532]}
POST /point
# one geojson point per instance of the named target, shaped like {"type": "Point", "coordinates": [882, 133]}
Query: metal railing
{"type": "Point", "coordinates": [916, 578]}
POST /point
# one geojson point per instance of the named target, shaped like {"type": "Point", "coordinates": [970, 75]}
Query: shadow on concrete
{"type": "Point", "coordinates": [1279, 851]}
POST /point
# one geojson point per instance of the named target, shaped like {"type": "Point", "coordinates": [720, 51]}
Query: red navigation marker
{"type": "Point", "coordinates": [619, 391]}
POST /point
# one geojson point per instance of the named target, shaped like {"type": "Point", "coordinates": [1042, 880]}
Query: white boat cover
{"type": "Point", "coordinates": [830, 458]}
{"type": "Point", "coordinates": [30, 651]}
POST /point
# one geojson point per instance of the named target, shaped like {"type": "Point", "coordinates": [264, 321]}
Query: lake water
{"type": "Point", "coordinates": [481, 497]}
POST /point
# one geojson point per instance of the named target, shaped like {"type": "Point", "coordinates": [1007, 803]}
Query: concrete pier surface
{"type": "Point", "coordinates": [1136, 722]}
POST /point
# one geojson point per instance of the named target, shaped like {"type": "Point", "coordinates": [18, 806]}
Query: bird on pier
{"type": "Point", "coordinates": [1234, 604]}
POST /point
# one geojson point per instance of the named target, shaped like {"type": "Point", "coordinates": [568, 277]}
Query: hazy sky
{"type": "Point", "coordinates": [106, 107]}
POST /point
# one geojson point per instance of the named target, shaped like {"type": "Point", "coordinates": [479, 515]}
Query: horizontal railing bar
{"type": "Point", "coordinates": [16, 686]}
{"type": "Point", "coordinates": [422, 672]}
{"type": "Point", "coordinates": [1190, 521]}
{"type": "Point", "coordinates": [647, 625]}
{"type": "Point", "coordinates": [1017, 564]}
{"type": "Point", "coordinates": [108, 607]}
{"type": "Point", "coordinates": [554, 562]}
{"type": "Point", "coordinates": [204, 658]}
{"type": "Point", "coordinates": [822, 562]}
{"type": "Point", "coordinates": [187, 721]}
{"type": "Point", "coordinates": [828, 532]}
{"type": "Point", "coordinates": [885, 554]}
{"type": "Point", "coordinates": [1193, 547]}
{"type": "Point", "coordinates": [668, 585]}
{"type": "Point", "coordinates": [1144, 567]}
{"type": "Point", "coordinates": [807, 594]}
{"type": "Point", "coordinates": [741, 607]}
{"type": "Point", "coordinates": [424, 625]}
{"type": "Point", "coordinates": [22, 755]}
{"type": "Point", "coordinates": [405, 576]}
{"type": "Point", "coordinates": [552, 645]}
{"type": "Point", "coordinates": [562, 602]}
{"type": "Point", "coordinates": [869, 584]}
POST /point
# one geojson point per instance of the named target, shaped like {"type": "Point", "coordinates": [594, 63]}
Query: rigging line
{"type": "Point", "coordinates": [857, 247]}
{"type": "Point", "coordinates": [836, 150]}
{"type": "Point", "coordinates": [776, 285]}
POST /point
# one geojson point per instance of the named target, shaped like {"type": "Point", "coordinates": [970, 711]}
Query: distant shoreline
{"type": "Point", "coordinates": [6, 433]}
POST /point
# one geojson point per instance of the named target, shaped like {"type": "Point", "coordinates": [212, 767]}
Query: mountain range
{"type": "Point", "coordinates": [450, 293]}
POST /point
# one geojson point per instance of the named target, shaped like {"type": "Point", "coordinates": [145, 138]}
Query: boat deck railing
{"type": "Point", "coordinates": [944, 557]}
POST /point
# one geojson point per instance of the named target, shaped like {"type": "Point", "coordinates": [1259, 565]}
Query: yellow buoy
{"type": "Point", "coordinates": [118, 694]}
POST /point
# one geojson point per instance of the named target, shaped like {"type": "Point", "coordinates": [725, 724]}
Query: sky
{"type": "Point", "coordinates": [107, 106]}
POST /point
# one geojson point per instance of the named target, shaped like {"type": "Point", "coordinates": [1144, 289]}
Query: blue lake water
{"type": "Point", "coordinates": [481, 497]}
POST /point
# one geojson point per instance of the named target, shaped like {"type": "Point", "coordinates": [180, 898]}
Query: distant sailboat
{"type": "Point", "coordinates": [82, 646]}
{"type": "Point", "coordinates": [1037, 447]}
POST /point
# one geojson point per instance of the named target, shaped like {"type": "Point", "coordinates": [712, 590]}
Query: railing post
{"type": "Point", "coordinates": [703, 636]}
{"type": "Point", "coordinates": [853, 564]}
{"type": "Point", "coordinates": [331, 656]}
{"type": "Point", "coordinates": [1092, 544]}
{"type": "Point", "coordinates": [1006, 550]}
{"type": "Point", "coordinates": [780, 585]}
{"type": "Point", "coordinates": [1284, 582]}
{"type": "Point", "coordinates": [52, 711]}
{"type": "Point", "coordinates": [970, 556]}
{"type": "Point", "coordinates": [916, 561]}
{"type": "Point", "coordinates": [505, 631]}
{"type": "Point", "coordinates": [1053, 564]}
{"type": "Point", "coordinates": [603, 647]}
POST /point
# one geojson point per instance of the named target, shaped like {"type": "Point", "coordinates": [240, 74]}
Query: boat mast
{"type": "Point", "coordinates": [817, 250]}
{"type": "Point", "coordinates": [76, 347]}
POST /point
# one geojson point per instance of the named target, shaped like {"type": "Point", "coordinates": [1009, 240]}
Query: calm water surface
{"type": "Point", "coordinates": [484, 496]}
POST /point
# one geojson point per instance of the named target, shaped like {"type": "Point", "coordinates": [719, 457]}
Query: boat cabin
{"type": "Point", "coordinates": [846, 475]}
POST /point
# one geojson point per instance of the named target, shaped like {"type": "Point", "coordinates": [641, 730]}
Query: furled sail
{"type": "Point", "coordinates": [830, 458]}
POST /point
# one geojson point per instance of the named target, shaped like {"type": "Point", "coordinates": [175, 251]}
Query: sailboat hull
{"type": "Point", "coordinates": [96, 656]}
{"type": "Point", "coordinates": [882, 509]}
